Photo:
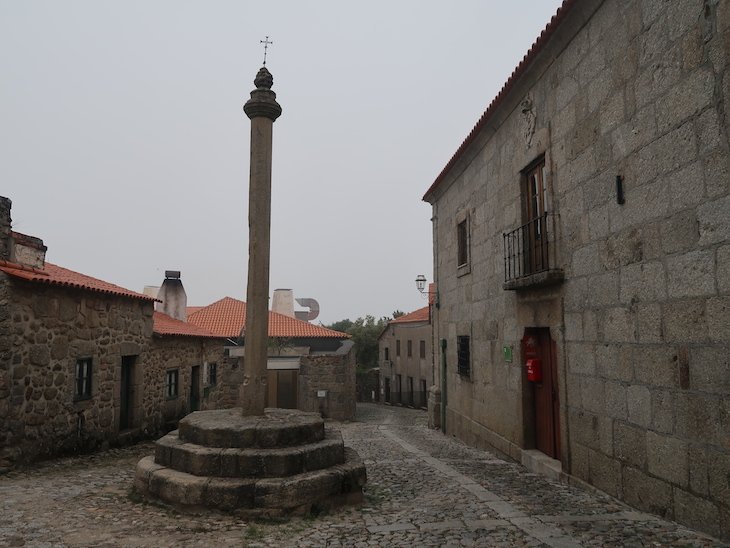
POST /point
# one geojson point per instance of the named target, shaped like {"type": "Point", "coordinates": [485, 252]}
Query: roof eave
{"type": "Point", "coordinates": [517, 73]}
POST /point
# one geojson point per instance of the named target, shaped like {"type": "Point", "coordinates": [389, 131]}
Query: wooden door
{"type": "Point", "coordinates": [195, 388]}
{"type": "Point", "coordinates": [286, 388]}
{"type": "Point", "coordinates": [126, 395]}
{"type": "Point", "coordinates": [538, 344]}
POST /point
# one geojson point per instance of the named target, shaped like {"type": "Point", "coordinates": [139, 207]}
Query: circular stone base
{"type": "Point", "coordinates": [229, 428]}
{"type": "Point", "coordinates": [273, 464]}
{"type": "Point", "coordinates": [300, 493]}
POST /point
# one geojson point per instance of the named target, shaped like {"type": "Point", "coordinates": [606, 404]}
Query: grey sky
{"type": "Point", "coordinates": [124, 145]}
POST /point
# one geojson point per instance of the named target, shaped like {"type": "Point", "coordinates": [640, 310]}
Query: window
{"type": "Point", "coordinates": [386, 353]}
{"type": "Point", "coordinates": [462, 243]}
{"type": "Point", "coordinates": [397, 349]}
{"type": "Point", "coordinates": [212, 373]}
{"type": "Point", "coordinates": [171, 383]}
{"type": "Point", "coordinates": [535, 204]}
{"type": "Point", "coordinates": [463, 355]}
{"type": "Point", "coordinates": [409, 348]}
{"type": "Point", "coordinates": [530, 249]}
{"type": "Point", "coordinates": [82, 384]}
{"type": "Point", "coordinates": [424, 394]}
{"type": "Point", "coordinates": [422, 350]}
{"type": "Point", "coordinates": [410, 391]}
{"type": "Point", "coordinates": [398, 389]}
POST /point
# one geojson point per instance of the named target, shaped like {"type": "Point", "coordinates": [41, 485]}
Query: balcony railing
{"type": "Point", "coordinates": [529, 254]}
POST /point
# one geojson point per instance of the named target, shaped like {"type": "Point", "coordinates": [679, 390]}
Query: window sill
{"type": "Point", "coordinates": [532, 281]}
{"type": "Point", "coordinates": [463, 270]}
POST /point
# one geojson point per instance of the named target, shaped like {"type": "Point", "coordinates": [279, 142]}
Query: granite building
{"type": "Point", "coordinates": [582, 258]}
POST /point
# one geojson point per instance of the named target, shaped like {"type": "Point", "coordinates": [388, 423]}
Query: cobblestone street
{"type": "Point", "coordinates": [423, 489]}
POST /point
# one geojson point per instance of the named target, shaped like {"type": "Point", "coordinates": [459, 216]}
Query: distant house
{"type": "Point", "coordinates": [582, 256]}
{"type": "Point", "coordinates": [406, 360]}
{"type": "Point", "coordinates": [310, 367]}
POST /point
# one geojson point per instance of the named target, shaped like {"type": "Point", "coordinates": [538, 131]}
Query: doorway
{"type": "Point", "coordinates": [195, 388]}
{"type": "Point", "coordinates": [537, 344]}
{"type": "Point", "coordinates": [126, 394]}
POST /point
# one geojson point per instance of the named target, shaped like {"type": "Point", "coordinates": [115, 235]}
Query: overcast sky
{"type": "Point", "coordinates": [125, 148]}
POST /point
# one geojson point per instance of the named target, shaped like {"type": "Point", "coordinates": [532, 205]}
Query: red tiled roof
{"type": "Point", "coordinates": [56, 275]}
{"type": "Point", "coordinates": [167, 325]}
{"type": "Point", "coordinates": [226, 318]}
{"type": "Point", "coordinates": [536, 47]}
{"type": "Point", "coordinates": [420, 315]}
{"type": "Point", "coordinates": [192, 309]}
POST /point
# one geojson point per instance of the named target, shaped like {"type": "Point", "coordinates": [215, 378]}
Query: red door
{"type": "Point", "coordinates": [537, 344]}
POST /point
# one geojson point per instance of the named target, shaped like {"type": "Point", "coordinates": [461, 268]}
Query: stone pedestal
{"type": "Point", "coordinates": [284, 461]}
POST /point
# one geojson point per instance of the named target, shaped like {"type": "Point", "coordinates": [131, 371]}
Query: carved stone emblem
{"type": "Point", "coordinates": [528, 120]}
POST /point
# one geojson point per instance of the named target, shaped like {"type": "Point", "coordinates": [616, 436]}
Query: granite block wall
{"type": "Point", "coordinates": [637, 89]}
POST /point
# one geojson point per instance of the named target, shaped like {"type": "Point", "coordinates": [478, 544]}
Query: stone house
{"type": "Point", "coordinates": [405, 351]}
{"type": "Point", "coordinates": [85, 363]}
{"type": "Point", "coordinates": [582, 257]}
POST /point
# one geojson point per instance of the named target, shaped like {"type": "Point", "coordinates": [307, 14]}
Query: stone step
{"type": "Point", "coordinates": [337, 484]}
{"type": "Point", "coordinates": [228, 428]}
{"type": "Point", "coordinates": [233, 462]}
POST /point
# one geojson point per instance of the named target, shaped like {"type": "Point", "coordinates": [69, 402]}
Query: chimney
{"type": "Point", "coordinates": [16, 247]}
{"type": "Point", "coordinates": [283, 302]}
{"type": "Point", "coordinates": [173, 297]}
{"type": "Point", "coordinates": [5, 242]}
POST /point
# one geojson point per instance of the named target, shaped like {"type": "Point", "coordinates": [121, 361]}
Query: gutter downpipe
{"type": "Point", "coordinates": [443, 386]}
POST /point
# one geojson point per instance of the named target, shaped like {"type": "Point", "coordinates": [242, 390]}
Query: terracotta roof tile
{"type": "Point", "coordinates": [536, 48]}
{"type": "Point", "coordinates": [420, 315]}
{"type": "Point", "coordinates": [192, 309]}
{"type": "Point", "coordinates": [55, 275]}
{"type": "Point", "coordinates": [226, 318]}
{"type": "Point", "coordinates": [167, 325]}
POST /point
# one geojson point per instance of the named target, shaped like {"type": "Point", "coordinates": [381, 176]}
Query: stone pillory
{"type": "Point", "coordinates": [255, 460]}
{"type": "Point", "coordinates": [263, 110]}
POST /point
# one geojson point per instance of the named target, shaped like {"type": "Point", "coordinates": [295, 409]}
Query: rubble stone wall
{"type": "Point", "coordinates": [334, 374]}
{"type": "Point", "coordinates": [45, 330]}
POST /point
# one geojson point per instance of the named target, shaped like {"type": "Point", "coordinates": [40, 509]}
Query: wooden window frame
{"type": "Point", "coordinates": [535, 202]}
{"type": "Point", "coordinates": [463, 355]}
{"type": "Point", "coordinates": [422, 350]}
{"type": "Point", "coordinates": [83, 377]}
{"type": "Point", "coordinates": [172, 384]}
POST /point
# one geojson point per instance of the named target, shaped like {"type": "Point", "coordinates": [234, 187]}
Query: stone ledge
{"type": "Point", "coordinates": [541, 279]}
{"type": "Point", "coordinates": [229, 428]}
{"type": "Point", "coordinates": [267, 496]}
{"type": "Point", "coordinates": [172, 452]}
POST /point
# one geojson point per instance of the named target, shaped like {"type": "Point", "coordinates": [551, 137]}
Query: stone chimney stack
{"type": "Point", "coordinates": [283, 302]}
{"type": "Point", "coordinates": [5, 222]}
{"type": "Point", "coordinates": [172, 294]}
{"type": "Point", "coordinates": [16, 247]}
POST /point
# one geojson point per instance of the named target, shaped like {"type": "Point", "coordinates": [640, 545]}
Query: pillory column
{"type": "Point", "coordinates": [262, 109]}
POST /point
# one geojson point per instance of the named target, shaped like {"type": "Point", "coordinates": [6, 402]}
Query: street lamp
{"type": "Point", "coordinates": [432, 295]}
{"type": "Point", "coordinates": [421, 282]}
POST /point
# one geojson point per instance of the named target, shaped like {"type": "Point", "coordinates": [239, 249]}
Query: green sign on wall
{"type": "Point", "coordinates": [507, 352]}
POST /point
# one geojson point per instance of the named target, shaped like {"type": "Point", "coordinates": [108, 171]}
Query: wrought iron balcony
{"type": "Point", "coordinates": [529, 254]}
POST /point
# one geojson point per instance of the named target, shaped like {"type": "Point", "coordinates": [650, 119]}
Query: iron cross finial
{"type": "Point", "coordinates": [266, 43]}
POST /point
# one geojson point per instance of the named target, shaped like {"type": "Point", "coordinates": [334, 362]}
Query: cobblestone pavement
{"type": "Point", "coordinates": [424, 489]}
